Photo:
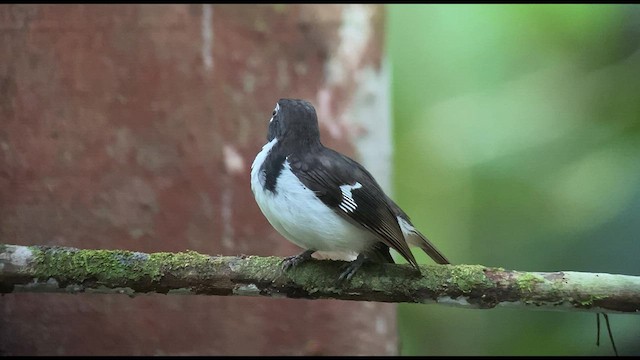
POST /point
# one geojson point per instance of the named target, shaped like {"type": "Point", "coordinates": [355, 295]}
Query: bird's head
{"type": "Point", "coordinates": [294, 121]}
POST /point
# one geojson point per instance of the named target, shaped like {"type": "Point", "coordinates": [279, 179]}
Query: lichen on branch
{"type": "Point", "coordinates": [71, 270]}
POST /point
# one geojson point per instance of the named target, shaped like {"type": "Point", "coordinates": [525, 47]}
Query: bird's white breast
{"type": "Point", "coordinates": [296, 213]}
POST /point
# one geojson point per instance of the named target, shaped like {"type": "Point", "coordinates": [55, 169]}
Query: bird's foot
{"type": "Point", "coordinates": [295, 260]}
{"type": "Point", "coordinates": [350, 268]}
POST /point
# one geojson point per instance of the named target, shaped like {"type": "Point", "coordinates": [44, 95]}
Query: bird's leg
{"type": "Point", "coordinates": [295, 260]}
{"type": "Point", "coordinates": [350, 268]}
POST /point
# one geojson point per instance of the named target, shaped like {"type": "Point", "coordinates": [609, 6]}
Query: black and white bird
{"type": "Point", "coordinates": [324, 201]}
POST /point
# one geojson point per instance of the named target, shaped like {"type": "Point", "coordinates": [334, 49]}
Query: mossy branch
{"type": "Point", "coordinates": [70, 270]}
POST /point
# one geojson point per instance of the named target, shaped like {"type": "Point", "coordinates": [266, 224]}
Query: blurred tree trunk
{"type": "Point", "coordinates": [134, 127]}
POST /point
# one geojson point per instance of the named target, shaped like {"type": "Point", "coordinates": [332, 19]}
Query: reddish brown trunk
{"type": "Point", "coordinates": [134, 127]}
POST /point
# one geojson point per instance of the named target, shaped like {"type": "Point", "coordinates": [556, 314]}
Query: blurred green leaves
{"type": "Point", "coordinates": [517, 144]}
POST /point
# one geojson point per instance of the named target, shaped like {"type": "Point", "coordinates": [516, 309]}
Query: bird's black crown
{"type": "Point", "coordinates": [294, 120]}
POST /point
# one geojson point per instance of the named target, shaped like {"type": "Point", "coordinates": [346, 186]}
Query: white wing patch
{"type": "Point", "coordinates": [348, 204]}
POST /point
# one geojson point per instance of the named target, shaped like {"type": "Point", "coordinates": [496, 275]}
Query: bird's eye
{"type": "Point", "coordinates": [275, 112]}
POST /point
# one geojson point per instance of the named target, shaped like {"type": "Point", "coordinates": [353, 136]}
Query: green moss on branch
{"type": "Point", "coordinates": [61, 269]}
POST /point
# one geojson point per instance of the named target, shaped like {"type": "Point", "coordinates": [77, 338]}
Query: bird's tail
{"type": "Point", "coordinates": [417, 239]}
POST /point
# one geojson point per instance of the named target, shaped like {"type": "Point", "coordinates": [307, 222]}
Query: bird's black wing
{"type": "Point", "coordinates": [324, 171]}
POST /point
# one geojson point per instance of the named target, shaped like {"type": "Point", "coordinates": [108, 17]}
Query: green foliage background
{"type": "Point", "coordinates": [517, 144]}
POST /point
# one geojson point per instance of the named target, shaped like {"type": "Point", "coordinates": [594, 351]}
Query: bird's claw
{"type": "Point", "coordinates": [295, 260]}
{"type": "Point", "coordinates": [349, 269]}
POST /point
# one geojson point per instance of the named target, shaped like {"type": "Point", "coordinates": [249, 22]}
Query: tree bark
{"type": "Point", "coordinates": [70, 270]}
{"type": "Point", "coordinates": [134, 126]}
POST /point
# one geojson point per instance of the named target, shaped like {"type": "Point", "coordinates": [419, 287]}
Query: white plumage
{"type": "Point", "coordinates": [301, 217]}
{"type": "Point", "coordinates": [348, 204]}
